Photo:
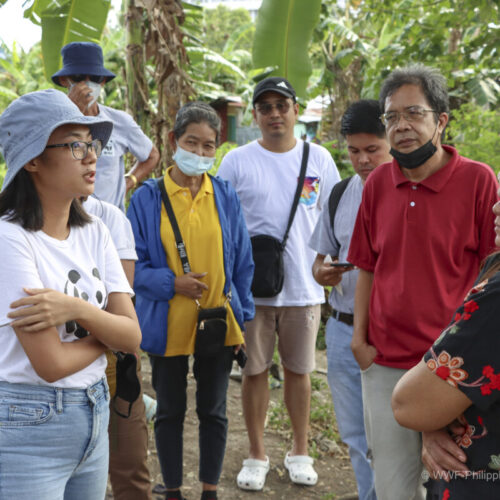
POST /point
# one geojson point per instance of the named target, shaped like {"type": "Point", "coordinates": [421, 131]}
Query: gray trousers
{"type": "Point", "coordinates": [396, 451]}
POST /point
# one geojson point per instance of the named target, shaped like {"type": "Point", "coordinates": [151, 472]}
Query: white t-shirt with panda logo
{"type": "Point", "coordinates": [85, 265]}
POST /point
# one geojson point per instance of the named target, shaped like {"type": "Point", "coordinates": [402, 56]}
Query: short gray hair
{"type": "Point", "coordinates": [196, 112]}
{"type": "Point", "coordinates": [430, 80]}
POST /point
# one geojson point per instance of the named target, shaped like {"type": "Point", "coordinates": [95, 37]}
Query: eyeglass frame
{"type": "Point", "coordinates": [271, 105]}
{"type": "Point", "coordinates": [80, 77]}
{"type": "Point", "coordinates": [405, 114]}
{"type": "Point", "coordinates": [88, 145]}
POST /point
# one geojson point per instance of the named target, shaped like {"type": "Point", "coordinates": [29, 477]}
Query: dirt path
{"type": "Point", "coordinates": [336, 479]}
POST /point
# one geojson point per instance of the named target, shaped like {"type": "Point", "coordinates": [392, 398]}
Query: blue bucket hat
{"type": "Point", "coordinates": [28, 122]}
{"type": "Point", "coordinates": [82, 58]}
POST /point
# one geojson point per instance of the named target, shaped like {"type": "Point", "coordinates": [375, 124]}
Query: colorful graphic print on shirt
{"type": "Point", "coordinates": [71, 287]}
{"type": "Point", "coordinates": [310, 190]}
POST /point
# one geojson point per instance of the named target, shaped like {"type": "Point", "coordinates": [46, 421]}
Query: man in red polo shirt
{"type": "Point", "coordinates": [423, 227]}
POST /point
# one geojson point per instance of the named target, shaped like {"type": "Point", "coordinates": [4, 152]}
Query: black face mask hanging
{"type": "Point", "coordinates": [415, 158]}
{"type": "Point", "coordinates": [418, 157]}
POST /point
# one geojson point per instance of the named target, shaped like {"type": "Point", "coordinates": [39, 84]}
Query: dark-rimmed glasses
{"type": "Point", "coordinates": [92, 78]}
{"type": "Point", "coordinates": [80, 149]}
{"type": "Point", "coordinates": [267, 107]}
{"type": "Point", "coordinates": [412, 114]}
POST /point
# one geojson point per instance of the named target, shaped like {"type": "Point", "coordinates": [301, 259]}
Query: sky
{"type": "Point", "coordinates": [13, 26]}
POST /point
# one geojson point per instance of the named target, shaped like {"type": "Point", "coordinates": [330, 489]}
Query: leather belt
{"type": "Point", "coordinates": [346, 318]}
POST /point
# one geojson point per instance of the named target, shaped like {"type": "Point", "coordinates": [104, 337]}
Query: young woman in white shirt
{"type": "Point", "coordinates": [65, 300]}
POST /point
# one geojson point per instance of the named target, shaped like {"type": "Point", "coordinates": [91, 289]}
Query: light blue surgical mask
{"type": "Point", "coordinates": [191, 164]}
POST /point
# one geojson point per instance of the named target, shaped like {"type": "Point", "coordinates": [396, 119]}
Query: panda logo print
{"type": "Point", "coordinates": [72, 287]}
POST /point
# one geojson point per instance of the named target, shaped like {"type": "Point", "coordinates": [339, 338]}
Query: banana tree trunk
{"type": "Point", "coordinates": [137, 86]}
{"type": "Point", "coordinates": [164, 45]}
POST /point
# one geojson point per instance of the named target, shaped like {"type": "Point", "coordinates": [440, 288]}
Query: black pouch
{"type": "Point", "coordinates": [128, 386]}
{"type": "Point", "coordinates": [269, 273]}
{"type": "Point", "coordinates": [210, 331]}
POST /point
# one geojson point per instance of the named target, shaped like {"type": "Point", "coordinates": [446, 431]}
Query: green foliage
{"type": "Point", "coordinates": [20, 72]}
{"type": "Point", "coordinates": [222, 150]}
{"type": "Point", "coordinates": [278, 416]}
{"type": "Point", "coordinates": [282, 37]}
{"type": "Point", "coordinates": [223, 25]}
{"type": "Point", "coordinates": [67, 21]}
{"type": "Point", "coordinates": [340, 156]}
{"type": "Point", "coordinates": [320, 338]}
{"type": "Point", "coordinates": [218, 44]}
{"type": "Point", "coordinates": [475, 132]}
{"type": "Point", "coordinates": [3, 170]}
{"type": "Point", "coordinates": [322, 415]}
{"type": "Point", "coordinates": [318, 384]}
{"type": "Point", "coordinates": [372, 38]}
{"type": "Point", "coordinates": [357, 45]}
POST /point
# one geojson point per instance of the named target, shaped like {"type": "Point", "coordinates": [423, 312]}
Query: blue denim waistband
{"type": "Point", "coordinates": [55, 394]}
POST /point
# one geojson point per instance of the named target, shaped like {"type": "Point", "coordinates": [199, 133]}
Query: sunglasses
{"type": "Point", "coordinates": [267, 107]}
{"type": "Point", "coordinates": [80, 149]}
{"type": "Point", "coordinates": [92, 78]}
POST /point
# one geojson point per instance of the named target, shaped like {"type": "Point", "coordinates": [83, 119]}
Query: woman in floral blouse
{"type": "Point", "coordinates": [465, 357]}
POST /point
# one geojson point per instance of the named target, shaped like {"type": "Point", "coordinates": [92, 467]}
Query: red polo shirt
{"type": "Point", "coordinates": [424, 242]}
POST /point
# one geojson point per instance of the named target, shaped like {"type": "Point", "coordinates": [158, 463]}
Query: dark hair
{"type": "Point", "coordinates": [362, 117]}
{"type": "Point", "coordinates": [20, 202]}
{"type": "Point", "coordinates": [430, 80]}
{"type": "Point", "coordinates": [490, 266]}
{"type": "Point", "coordinates": [196, 112]}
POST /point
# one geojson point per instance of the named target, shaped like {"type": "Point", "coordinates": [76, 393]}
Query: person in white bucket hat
{"type": "Point", "coordinates": [65, 301]}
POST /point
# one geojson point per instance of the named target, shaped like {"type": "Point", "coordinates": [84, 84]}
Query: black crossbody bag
{"type": "Point", "coordinates": [211, 326]}
{"type": "Point", "coordinates": [267, 251]}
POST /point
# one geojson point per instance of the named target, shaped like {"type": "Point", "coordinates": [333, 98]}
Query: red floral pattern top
{"type": "Point", "coordinates": [467, 356]}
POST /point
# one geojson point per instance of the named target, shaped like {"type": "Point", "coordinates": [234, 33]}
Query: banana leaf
{"type": "Point", "coordinates": [65, 21]}
{"type": "Point", "coordinates": [282, 37]}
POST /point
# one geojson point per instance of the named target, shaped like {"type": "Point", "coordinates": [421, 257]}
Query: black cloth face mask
{"type": "Point", "coordinates": [415, 158]}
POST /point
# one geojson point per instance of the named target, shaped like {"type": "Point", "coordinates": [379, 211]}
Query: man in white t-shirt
{"type": "Point", "coordinates": [265, 173]}
{"type": "Point", "coordinates": [84, 75]}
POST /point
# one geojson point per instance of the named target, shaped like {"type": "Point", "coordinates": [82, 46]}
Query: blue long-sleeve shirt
{"type": "Point", "coordinates": [154, 280]}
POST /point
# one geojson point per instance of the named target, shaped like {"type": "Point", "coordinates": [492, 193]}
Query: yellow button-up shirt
{"type": "Point", "coordinates": [198, 221]}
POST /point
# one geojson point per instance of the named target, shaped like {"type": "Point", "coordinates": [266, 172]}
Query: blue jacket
{"type": "Point", "coordinates": [154, 280]}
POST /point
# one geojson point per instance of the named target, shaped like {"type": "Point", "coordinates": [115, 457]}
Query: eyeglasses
{"type": "Point", "coordinates": [80, 149]}
{"type": "Point", "coordinates": [92, 78]}
{"type": "Point", "coordinates": [413, 114]}
{"type": "Point", "coordinates": [267, 107]}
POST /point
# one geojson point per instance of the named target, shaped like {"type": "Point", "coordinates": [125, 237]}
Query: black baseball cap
{"type": "Point", "coordinates": [274, 84]}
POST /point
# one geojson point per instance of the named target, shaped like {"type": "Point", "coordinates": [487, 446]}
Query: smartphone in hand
{"type": "Point", "coordinates": [347, 265]}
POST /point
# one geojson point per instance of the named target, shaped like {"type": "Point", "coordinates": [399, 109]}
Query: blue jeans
{"type": "Point", "coordinates": [169, 375]}
{"type": "Point", "coordinates": [344, 379]}
{"type": "Point", "coordinates": [53, 442]}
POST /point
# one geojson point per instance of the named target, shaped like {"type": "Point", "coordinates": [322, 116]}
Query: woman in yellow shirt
{"type": "Point", "coordinates": [170, 295]}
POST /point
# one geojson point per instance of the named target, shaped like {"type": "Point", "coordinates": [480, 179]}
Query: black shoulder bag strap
{"type": "Point", "coordinates": [334, 200]}
{"type": "Point", "coordinates": [179, 242]}
{"type": "Point", "coordinates": [298, 192]}
{"type": "Point", "coordinates": [181, 248]}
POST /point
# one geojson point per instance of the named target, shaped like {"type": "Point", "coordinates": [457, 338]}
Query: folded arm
{"type": "Point", "coordinates": [116, 327]}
